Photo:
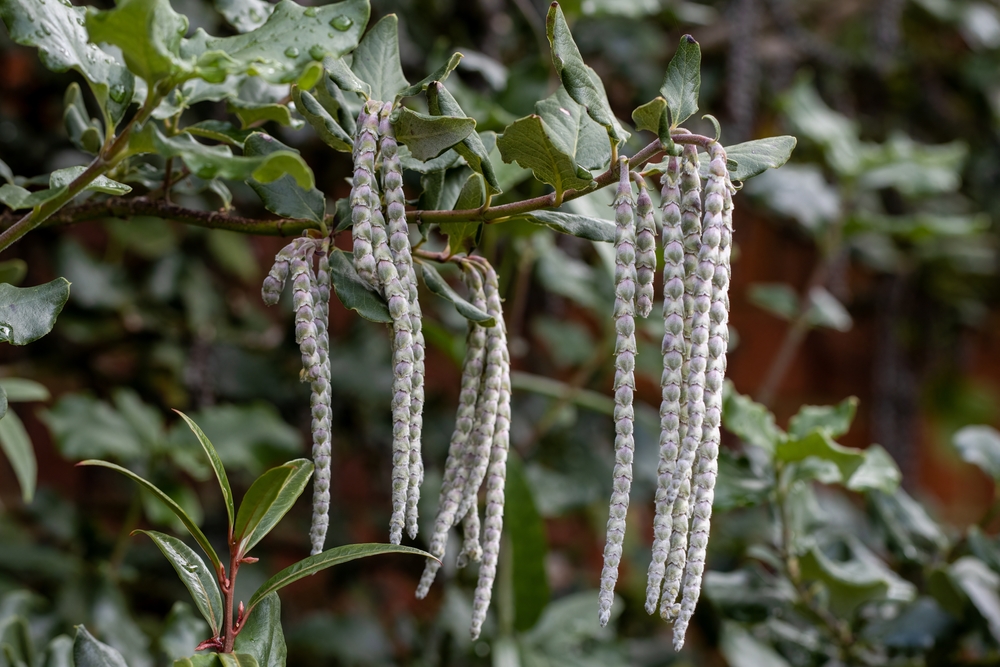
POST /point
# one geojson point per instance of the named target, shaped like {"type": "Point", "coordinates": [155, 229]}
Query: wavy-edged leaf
{"type": "Point", "coordinates": [376, 60]}
{"type": "Point", "coordinates": [354, 292]}
{"type": "Point", "coordinates": [283, 197]}
{"type": "Point", "coordinates": [441, 103]}
{"type": "Point", "coordinates": [194, 574]}
{"type": "Point", "coordinates": [654, 117]}
{"type": "Point", "coordinates": [592, 229]}
{"type": "Point", "coordinates": [682, 82]}
{"type": "Point", "coordinates": [329, 558]}
{"type": "Point", "coordinates": [215, 462]}
{"type": "Point", "coordinates": [252, 114]}
{"type": "Point", "coordinates": [345, 78]}
{"type": "Point", "coordinates": [192, 528]}
{"type": "Point", "coordinates": [526, 142]}
{"type": "Point", "coordinates": [429, 136]}
{"type": "Point", "coordinates": [16, 445]}
{"type": "Point", "coordinates": [328, 129]}
{"type": "Point", "coordinates": [755, 157]}
{"type": "Point", "coordinates": [88, 652]}
{"type": "Point", "coordinates": [261, 635]}
{"type": "Point", "coordinates": [57, 30]}
{"type": "Point", "coordinates": [149, 34]}
{"type": "Point", "coordinates": [834, 419]}
{"type": "Point", "coordinates": [580, 80]}
{"type": "Point", "coordinates": [573, 131]}
{"type": "Point", "coordinates": [439, 75]}
{"type": "Point", "coordinates": [440, 286]}
{"type": "Point", "coordinates": [219, 130]}
{"type": "Point", "coordinates": [268, 500]}
{"type": "Point", "coordinates": [28, 313]}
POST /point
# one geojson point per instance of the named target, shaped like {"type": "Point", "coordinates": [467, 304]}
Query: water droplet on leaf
{"type": "Point", "coordinates": [292, 52]}
{"type": "Point", "coordinates": [5, 332]}
{"type": "Point", "coordinates": [117, 93]}
{"type": "Point", "coordinates": [317, 52]}
{"type": "Point", "coordinates": [341, 22]}
{"type": "Point", "coordinates": [310, 11]}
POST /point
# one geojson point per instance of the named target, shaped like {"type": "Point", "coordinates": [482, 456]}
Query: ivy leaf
{"type": "Point", "coordinates": [683, 81]}
{"type": "Point", "coordinates": [429, 136]}
{"type": "Point", "coordinates": [438, 75]}
{"type": "Point", "coordinates": [28, 313]}
{"type": "Point", "coordinates": [16, 445]}
{"type": "Point", "coordinates": [328, 129]}
{"type": "Point", "coordinates": [440, 286]}
{"type": "Point", "coordinates": [268, 500]}
{"type": "Point", "coordinates": [283, 197]}
{"type": "Point", "coordinates": [88, 652]}
{"type": "Point", "coordinates": [592, 229]}
{"type": "Point", "coordinates": [580, 81]}
{"type": "Point", "coordinates": [244, 15]}
{"type": "Point", "coordinates": [83, 131]}
{"type": "Point", "coordinates": [218, 161]}
{"type": "Point", "coordinates": [57, 30]}
{"type": "Point", "coordinates": [194, 574]}
{"type": "Point", "coordinates": [354, 292]}
{"type": "Point", "coordinates": [980, 446]}
{"type": "Point", "coordinates": [250, 113]}
{"type": "Point", "coordinates": [149, 34]}
{"type": "Point", "coordinates": [441, 103]}
{"type": "Point", "coordinates": [834, 419]}
{"type": "Point", "coordinates": [261, 636]}
{"type": "Point", "coordinates": [755, 157]}
{"type": "Point", "coordinates": [376, 60]}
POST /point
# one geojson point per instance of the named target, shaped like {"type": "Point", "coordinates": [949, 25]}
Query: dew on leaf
{"type": "Point", "coordinates": [5, 332]}
{"type": "Point", "coordinates": [117, 93]}
{"type": "Point", "coordinates": [317, 52]}
{"type": "Point", "coordinates": [310, 11]}
{"type": "Point", "coordinates": [291, 52]}
{"type": "Point", "coordinates": [341, 22]}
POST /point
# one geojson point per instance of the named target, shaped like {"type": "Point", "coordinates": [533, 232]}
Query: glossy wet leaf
{"type": "Point", "coordinates": [329, 558]}
{"type": "Point", "coordinates": [756, 157]}
{"type": "Point", "coordinates": [328, 129]}
{"type": "Point", "coordinates": [16, 446]}
{"type": "Point", "coordinates": [268, 500]}
{"type": "Point", "coordinates": [980, 446]}
{"type": "Point", "coordinates": [149, 34]}
{"type": "Point", "coordinates": [528, 547]}
{"type": "Point", "coordinates": [195, 575]}
{"type": "Point", "coordinates": [441, 103]}
{"type": "Point", "coordinates": [215, 462]}
{"type": "Point", "coordinates": [353, 292]}
{"type": "Point", "coordinates": [28, 313]}
{"type": "Point", "coordinates": [283, 197]}
{"type": "Point", "coordinates": [376, 60]}
{"type": "Point", "coordinates": [244, 15]}
{"type": "Point", "coordinates": [429, 136]}
{"type": "Point", "coordinates": [88, 652]}
{"type": "Point", "coordinates": [169, 502]}
{"type": "Point", "coordinates": [834, 419]}
{"type": "Point", "coordinates": [262, 635]}
{"type": "Point", "coordinates": [63, 177]}
{"type": "Point", "coordinates": [592, 229]}
{"type": "Point", "coordinates": [682, 82]}
{"type": "Point", "coordinates": [440, 286]}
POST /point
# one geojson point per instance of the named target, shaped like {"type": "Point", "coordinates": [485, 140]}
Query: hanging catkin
{"type": "Point", "coordinates": [270, 291]}
{"type": "Point", "coordinates": [645, 249]}
{"type": "Point", "coordinates": [497, 473]}
{"type": "Point", "coordinates": [364, 190]}
{"type": "Point", "coordinates": [320, 403]}
{"type": "Point", "coordinates": [455, 472]}
{"type": "Point", "coordinates": [399, 245]}
{"type": "Point", "coordinates": [625, 348]}
{"type": "Point", "coordinates": [713, 265]}
{"type": "Point", "coordinates": [673, 348]}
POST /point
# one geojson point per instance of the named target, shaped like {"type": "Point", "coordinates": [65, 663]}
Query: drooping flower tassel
{"type": "Point", "coordinates": [645, 250]}
{"type": "Point", "coordinates": [321, 402]}
{"type": "Point", "coordinates": [364, 191]}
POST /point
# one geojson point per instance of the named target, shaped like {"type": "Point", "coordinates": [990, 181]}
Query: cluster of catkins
{"type": "Point", "coordinates": [697, 242]}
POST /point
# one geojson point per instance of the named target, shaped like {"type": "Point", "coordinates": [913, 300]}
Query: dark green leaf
{"type": "Point", "coordinates": [215, 462]}
{"type": "Point", "coordinates": [244, 15]}
{"type": "Point", "coordinates": [253, 114]}
{"type": "Point", "coordinates": [750, 421]}
{"type": "Point", "coordinates": [322, 561]}
{"type": "Point", "coordinates": [261, 635]}
{"type": "Point", "coordinates": [376, 60]}
{"type": "Point", "coordinates": [149, 34]}
{"type": "Point", "coordinates": [592, 229]}
{"type": "Point", "coordinates": [268, 500]}
{"type": "Point", "coordinates": [756, 157]}
{"type": "Point", "coordinates": [980, 446]}
{"type": "Point", "coordinates": [28, 313]}
{"type": "Point", "coordinates": [332, 98]}
{"type": "Point", "coordinates": [332, 134]}
{"type": "Point", "coordinates": [464, 236]}
{"type": "Point", "coordinates": [683, 81]}
{"type": "Point", "coordinates": [57, 30]}
{"type": "Point", "coordinates": [345, 78]}
{"type": "Point", "coordinates": [580, 81]}
{"type": "Point", "coordinates": [353, 292]}
{"type": "Point", "coordinates": [654, 117]}
{"type": "Point", "coordinates": [527, 142]}
{"type": "Point", "coordinates": [219, 130]}
{"type": "Point", "coordinates": [169, 502]}
{"type": "Point", "coordinates": [16, 445]}
{"type": "Point", "coordinates": [283, 197]}
{"type": "Point", "coordinates": [440, 286]}
{"type": "Point", "coordinates": [84, 131]}
{"type": "Point", "coordinates": [472, 195]}
{"type": "Point", "coordinates": [737, 485]}
{"type": "Point", "coordinates": [429, 136]}
{"type": "Point", "coordinates": [195, 575]}
{"type": "Point", "coordinates": [438, 75]}
{"type": "Point", "coordinates": [819, 444]}
{"type": "Point", "coordinates": [88, 652]}
{"type": "Point", "coordinates": [835, 419]}
{"type": "Point", "coordinates": [13, 271]}
{"type": "Point", "coordinates": [441, 103]}
{"type": "Point", "coordinates": [574, 133]}
{"type": "Point", "coordinates": [528, 547]}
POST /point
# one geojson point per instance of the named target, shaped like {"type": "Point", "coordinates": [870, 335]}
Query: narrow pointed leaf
{"type": "Point", "coordinates": [88, 652]}
{"type": "Point", "coordinates": [441, 103]}
{"type": "Point", "coordinates": [194, 574]}
{"type": "Point", "coordinates": [267, 500]}
{"type": "Point", "coordinates": [440, 286]}
{"type": "Point", "coordinates": [215, 462]}
{"type": "Point", "coordinates": [528, 547]}
{"type": "Point", "coordinates": [195, 531]}
{"type": "Point", "coordinates": [429, 136]}
{"type": "Point", "coordinates": [28, 313]}
{"type": "Point", "coordinates": [219, 130]}
{"type": "Point", "coordinates": [592, 229]}
{"type": "Point", "coordinates": [439, 75]}
{"type": "Point", "coordinates": [376, 60]}
{"type": "Point", "coordinates": [756, 157]}
{"type": "Point", "coordinates": [16, 445]}
{"type": "Point", "coordinates": [261, 635]}
{"type": "Point", "coordinates": [328, 129]}
{"type": "Point", "coordinates": [329, 558]}
{"type": "Point", "coordinates": [354, 292]}
{"type": "Point", "coordinates": [682, 82]}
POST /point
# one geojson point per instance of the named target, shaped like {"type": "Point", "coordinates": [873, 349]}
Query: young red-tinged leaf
{"type": "Point", "coordinates": [267, 500]}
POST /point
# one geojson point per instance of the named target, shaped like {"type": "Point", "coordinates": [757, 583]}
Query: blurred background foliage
{"type": "Point", "coordinates": [867, 266]}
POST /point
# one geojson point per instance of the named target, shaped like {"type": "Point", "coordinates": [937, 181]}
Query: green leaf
{"type": "Point", "coordinates": [429, 136]}
{"type": "Point", "coordinates": [13, 271]}
{"type": "Point", "coordinates": [527, 142]}
{"type": "Point", "coordinates": [216, 463]}
{"type": "Point", "coordinates": [219, 130]}
{"type": "Point", "coordinates": [16, 445]}
{"type": "Point", "coordinates": [528, 547]}
{"type": "Point", "coordinates": [756, 157]}
{"type": "Point", "coordinates": [980, 446]}
{"type": "Point", "coordinates": [750, 421]}
{"type": "Point", "coordinates": [328, 129]}
{"type": "Point", "coordinates": [218, 660]}
{"type": "Point", "coordinates": [737, 484]}
{"type": "Point", "coordinates": [3, 402]}
{"type": "Point", "coordinates": [182, 629]}
{"type": "Point", "coordinates": [149, 34]}
{"type": "Point", "coordinates": [441, 103]}
{"type": "Point", "coordinates": [909, 526]}
{"type": "Point", "coordinates": [322, 561]}
{"type": "Point", "coordinates": [28, 313]}
{"type": "Point", "coordinates": [341, 74]}
{"type": "Point", "coordinates": [237, 660]}
{"type": "Point", "coordinates": [84, 131]}
{"type": "Point", "coordinates": [268, 500]}
{"type": "Point", "coordinates": [21, 390]}
{"type": "Point", "coordinates": [683, 81]}
{"type": "Point", "coordinates": [63, 177]}
{"type": "Point", "coordinates": [877, 472]}
{"type": "Point", "coordinates": [88, 652]}
{"type": "Point", "coordinates": [440, 286]}
{"type": "Point", "coordinates": [592, 229]}
{"type": "Point", "coordinates": [573, 131]}
{"type": "Point", "coordinates": [855, 581]}
{"type": "Point", "coordinates": [329, 94]}
{"type": "Point", "coordinates": [244, 15]}
{"type": "Point", "coordinates": [252, 114]}
{"type": "Point", "coordinates": [58, 31]}
{"type": "Point", "coordinates": [819, 444]}
{"type": "Point", "coordinates": [195, 531]}
{"type": "Point", "coordinates": [776, 298]}
{"type": "Point", "coordinates": [261, 635]}
{"type": "Point", "coordinates": [654, 117]}
{"type": "Point", "coordinates": [438, 75]}
{"type": "Point", "coordinates": [354, 292]}
{"type": "Point", "coordinates": [210, 162]}
{"type": "Point", "coordinates": [580, 81]}
{"type": "Point", "coordinates": [376, 60]}
{"type": "Point", "coordinates": [195, 575]}
{"type": "Point", "coordinates": [5, 172]}
{"type": "Point", "coordinates": [825, 310]}
{"type": "Point", "coordinates": [834, 419]}
{"type": "Point", "coordinates": [741, 649]}
{"type": "Point", "coordinates": [982, 586]}
{"type": "Point", "coordinates": [283, 197]}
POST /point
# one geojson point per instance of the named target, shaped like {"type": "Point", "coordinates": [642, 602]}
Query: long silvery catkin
{"type": "Point", "coordinates": [625, 350]}
{"type": "Point", "coordinates": [497, 474]}
{"type": "Point", "coordinates": [673, 348]}
{"type": "Point", "coordinates": [714, 265]}
{"type": "Point", "coordinates": [455, 471]}
{"type": "Point", "coordinates": [364, 190]}
{"type": "Point", "coordinates": [399, 245]}
{"type": "Point", "coordinates": [320, 403]}
{"type": "Point", "coordinates": [645, 249]}
{"type": "Point", "coordinates": [270, 291]}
